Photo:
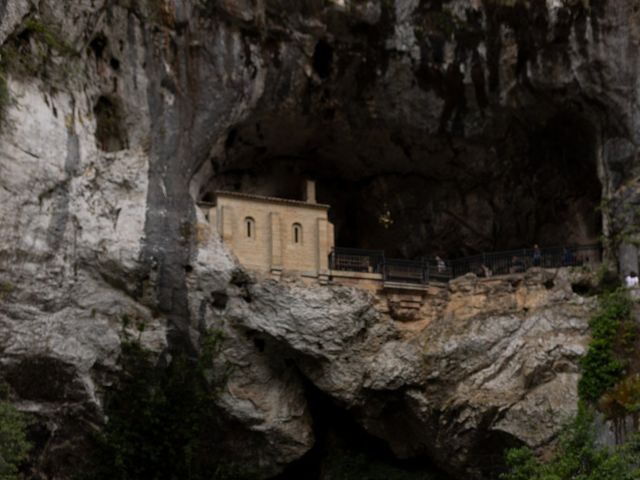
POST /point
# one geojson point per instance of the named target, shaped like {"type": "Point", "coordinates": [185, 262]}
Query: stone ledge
{"type": "Point", "coordinates": [356, 275]}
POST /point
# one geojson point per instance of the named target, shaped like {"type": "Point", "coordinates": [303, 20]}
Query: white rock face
{"type": "Point", "coordinates": [11, 13]}
{"type": "Point", "coordinates": [72, 226]}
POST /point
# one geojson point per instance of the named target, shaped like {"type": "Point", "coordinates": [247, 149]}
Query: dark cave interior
{"type": "Point", "coordinates": [344, 449]}
{"type": "Point", "coordinates": [111, 135]}
{"type": "Point", "coordinates": [529, 181]}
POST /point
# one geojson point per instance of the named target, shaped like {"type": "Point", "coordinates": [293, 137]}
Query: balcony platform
{"type": "Point", "coordinates": [417, 287]}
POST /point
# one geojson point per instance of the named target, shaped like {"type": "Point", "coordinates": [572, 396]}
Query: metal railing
{"type": "Point", "coordinates": [406, 271]}
{"type": "Point", "coordinates": [439, 271]}
{"type": "Point", "coordinates": [425, 270]}
{"type": "Point", "coordinates": [356, 260]}
{"type": "Point", "coordinates": [518, 261]}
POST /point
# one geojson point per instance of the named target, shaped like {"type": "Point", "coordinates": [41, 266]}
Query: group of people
{"type": "Point", "coordinates": [518, 264]}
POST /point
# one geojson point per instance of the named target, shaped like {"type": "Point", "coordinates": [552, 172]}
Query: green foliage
{"type": "Point", "coordinates": [161, 420]}
{"type": "Point", "coordinates": [607, 279]}
{"type": "Point", "coordinates": [622, 399]}
{"type": "Point", "coordinates": [14, 446]}
{"type": "Point", "coordinates": [28, 52]}
{"type": "Point", "coordinates": [602, 365]}
{"type": "Point", "coordinates": [48, 36]}
{"type": "Point", "coordinates": [6, 288]}
{"type": "Point", "coordinates": [523, 464]}
{"type": "Point", "coordinates": [577, 457]}
{"type": "Point", "coordinates": [346, 465]}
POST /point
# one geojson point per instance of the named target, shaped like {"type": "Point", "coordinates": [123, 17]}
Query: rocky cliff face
{"type": "Point", "coordinates": [495, 367]}
{"type": "Point", "coordinates": [477, 124]}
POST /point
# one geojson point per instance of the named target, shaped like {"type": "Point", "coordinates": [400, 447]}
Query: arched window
{"type": "Point", "coordinates": [250, 227]}
{"type": "Point", "coordinates": [296, 234]}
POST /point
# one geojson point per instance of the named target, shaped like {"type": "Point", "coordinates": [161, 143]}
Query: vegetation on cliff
{"type": "Point", "coordinates": [14, 445]}
{"type": "Point", "coordinates": [610, 383]}
{"type": "Point", "coordinates": [36, 49]}
{"type": "Point", "coordinates": [577, 457]}
{"type": "Point", "coordinates": [161, 421]}
{"type": "Point", "coordinates": [613, 336]}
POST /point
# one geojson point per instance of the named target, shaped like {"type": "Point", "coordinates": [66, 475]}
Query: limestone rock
{"type": "Point", "coordinates": [477, 126]}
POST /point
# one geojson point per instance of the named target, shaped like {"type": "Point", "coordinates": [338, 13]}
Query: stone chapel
{"type": "Point", "coordinates": [273, 235]}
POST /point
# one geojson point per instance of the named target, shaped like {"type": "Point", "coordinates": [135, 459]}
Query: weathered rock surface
{"type": "Point", "coordinates": [478, 125]}
{"type": "Point", "coordinates": [498, 367]}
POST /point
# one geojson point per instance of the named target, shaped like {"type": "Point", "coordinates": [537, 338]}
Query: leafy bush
{"type": "Point", "coordinates": [349, 465]}
{"type": "Point", "coordinates": [28, 53]}
{"type": "Point", "coordinates": [161, 420]}
{"type": "Point", "coordinates": [14, 446]}
{"type": "Point", "coordinates": [602, 366]}
{"type": "Point", "coordinates": [48, 36]}
{"type": "Point", "coordinates": [607, 279]}
{"type": "Point", "coordinates": [6, 288]}
{"type": "Point", "coordinates": [577, 457]}
{"type": "Point", "coordinates": [622, 399]}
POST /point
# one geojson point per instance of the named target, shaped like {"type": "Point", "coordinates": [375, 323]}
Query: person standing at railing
{"type": "Point", "coordinates": [517, 265]}
{"type": "Point", "coordinates": [440, 264]}
{"type": "Point", "coordinates": [486, 270]}
{"type": "Point", "coordinates": [537, 256]}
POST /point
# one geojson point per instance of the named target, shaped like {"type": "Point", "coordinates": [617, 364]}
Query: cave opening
{"type": "Point", "coordinates": [344, 449]}
{"type": "Point", "coordinates": [98, 44]}
{"type": "Point", "coordinates": [115, 63]}
{"type": "Point", "coordinates": [413, 195]}
{"type": "Point", "coordinates": [322, 59]}
{"type": "Point", "coordinates": [490, 459]}
{"type": "Point", "coordinates": [110, 132]}
{"type": "Point", "coordinates": [564, 190]}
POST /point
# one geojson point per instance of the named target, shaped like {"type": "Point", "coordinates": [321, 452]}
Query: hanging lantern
{"type": "Point", "coordinates": [385, 218]}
